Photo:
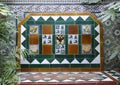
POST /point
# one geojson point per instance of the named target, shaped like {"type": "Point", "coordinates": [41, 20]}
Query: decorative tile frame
{"type": "Point", "coordinates": [64, 62]}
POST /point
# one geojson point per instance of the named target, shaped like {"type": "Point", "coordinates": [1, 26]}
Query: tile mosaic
{"type": "Point", "coordinates": [59, 38]}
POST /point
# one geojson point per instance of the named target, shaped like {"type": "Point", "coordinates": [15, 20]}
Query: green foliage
{"type": "Point", "coordinates": [115, 53]}
{"type": "Point", "coordinates": [4, 10]}
{"type": "Point", "coordinates": [109, 11]}
{"type": "Point", "coordinates": [8, 54]}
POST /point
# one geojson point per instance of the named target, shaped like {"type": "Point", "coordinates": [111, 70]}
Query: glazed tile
{"type": "Point", "coordinates": [68, 78]}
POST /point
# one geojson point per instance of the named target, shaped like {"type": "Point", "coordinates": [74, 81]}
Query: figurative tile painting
{"type": "Point", "coordinates": [86, 49]}
{"type": "Point", "coordinates": [46, 39]}
{"type": "Point", "coordinates": [34, 29]}
{"type": "Point", "coordinates": [34, 48]}
{"type": "Point", "coordinates": [64, 41]}
{"type": "Point", "coordinates": [86, 29]}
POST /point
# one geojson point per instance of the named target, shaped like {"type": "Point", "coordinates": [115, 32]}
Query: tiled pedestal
{"type": "Point", "coordinates": [69, 78]}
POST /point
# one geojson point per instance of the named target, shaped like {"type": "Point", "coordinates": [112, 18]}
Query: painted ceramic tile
{"type": "Point", "coordinates": [86, 29]}
{"type": "Point", "coordinates": [34, 48]}
{"type": "Point", "coordinates": [60, 39]}
{"type": "Point", "coordinates": [59, 29]}
{"type": "Point", "coordinates": [72, 39]}
{"type": "Point", "coordinates": [86, 48]}
{"type": "Point", "coordinates": [34, 29]}
{"type": "Point", "coordinates": [59, 49]}
{"type": "Point", "coordinates": [46, 39]}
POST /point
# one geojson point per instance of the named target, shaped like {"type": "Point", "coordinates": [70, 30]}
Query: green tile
{"type": "Point", "coordinates": [31, 19]}
{"type": "Point", "coordinates": [90, 59]}
{"type": "Point", "coordinates": [95, 65]}
{"type": "Point", "coordinates": [30, 59]}
{"type": "Point", "coordinates": [95, 24]}
{"type": "Point", "coordinates": [96, 33]}
{"type": "Point", "coordinates": [70, 21]}
{"type": "Point", "coordinates": [25, 65]}
{"type": "Point", "coordinates": [80, 59]}
{"type": "Point", "coordinates": [80, 66]}
{"type": "Point", "coordinates": [95, 43]}
{"type": "Point", "coordinates": [26, 44]}
{"type": "Point", "coordinates": [96, 53]}
{"type": "Point", "coordinates": [60, 20]}
{"type": "Point", "coordinates": [40, 59]}
{"type": "Point", "coordinates": [59, 65]}
{"type": "Point", "coordinates": [50, 59]}
{"type": "Point", "coordinates": [40, 66]}
{"type": "Point", "coordinates": [31, 22]}
{"type": "Point", "coordinates": [60, 59]}
{"type": "Point", "coordinates": [78, 20]}
{"type": "Point", "coordinates": [40, 20]}
{"type": "Point", "coordinates": [70, 59]}
{"type": "Point", "coordinates": [89, 19]}
{"type": "Point", "coordinates": [50, 20]}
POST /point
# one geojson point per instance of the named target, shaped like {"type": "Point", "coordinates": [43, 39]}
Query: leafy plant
{"type": "Point", "coordinates": [110, 11]}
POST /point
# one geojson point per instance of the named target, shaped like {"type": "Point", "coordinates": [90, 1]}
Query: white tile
{"type": "Point", "coordinates": [40, 81]}
{"type": "Point", "coordinates": [45, 17]}
{"type": "Point", "coordinates": [35, 62]}
{"type": "Point", "coordinates": [53, 81]}
{"type": "Point", "coordinates": [22, 38]}
{"type": "Point", "coordinates": [55, 17]}
{"type": "Point", "coordinates": [75, 62]}
{"type": "Point", "coordinates": [65, 61]}
{"type": "Point", "coordinates": [97, 28]}
{"type": "Point", "coordinates": [98, 38]}
{"type": "Point", "coordinates": [93, 80]}
{"type": "Point", "coordinates": [24, 61]}
{"type": "Point", "coordinates": [75, 17]}
{"type": "Point", "coordinates": [55, 62]}
{"type": "Point", "coordinates": [67, 80]}
{"type": "Point", "coordinates": [45, 62]}
{"type": "Point", "coordinates": [36, 17]}
{"type": "Point", "coordinates": [107, 79]}
{"type": "Point", "coordinates": [22, 47]}
{"type": "Point", "coordinates": [27, 81]}
{"type": "Point", "coordinates": [96, 60]}
{"type": "Point", "coordinates": [65, 17]}
{"type": "Point", "coordinates": [22, 29]}
{"type": "Point", "coordinates": [84, 17]}
{"type": "Point", "coordinates": [98, 48]}
{"type": "Point", "coordinates": [85, 62]}
{"type": "Point", "coordinates": [79, 80]}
